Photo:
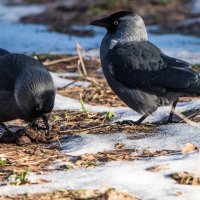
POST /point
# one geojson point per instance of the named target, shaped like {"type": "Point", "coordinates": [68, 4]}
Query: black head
{"type": "Point", "coordinates": [112, 21]}
{"type": "Point", "coordinates": [44, 103]}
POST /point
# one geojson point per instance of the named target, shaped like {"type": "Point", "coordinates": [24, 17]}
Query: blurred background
{"type": "Point", "coordinates": [54, 26]}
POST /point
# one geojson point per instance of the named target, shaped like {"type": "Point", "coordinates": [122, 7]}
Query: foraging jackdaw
{"type": "Point", "coordinates": [26, 89]}
{"type": "Point", "coordinates": [138, 71]}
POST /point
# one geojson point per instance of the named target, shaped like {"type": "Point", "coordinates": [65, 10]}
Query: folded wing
{"type": "Point", "coordinates": [143, 65]}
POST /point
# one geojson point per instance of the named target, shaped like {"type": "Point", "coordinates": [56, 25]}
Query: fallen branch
{"type": "Point", "coordinates": [184, 118]}
{"type": "Point", "coordinates": [78, 48]}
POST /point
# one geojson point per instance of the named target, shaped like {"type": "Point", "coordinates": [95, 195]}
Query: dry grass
{"type": "Point", "coordinates": [72, 122]}
{"type": "Point", "coordinates": [186, 178]}
{"type": "Point", "coordinates": [97, 93]}
{"type": "Point", "coordinates": [103, 194]}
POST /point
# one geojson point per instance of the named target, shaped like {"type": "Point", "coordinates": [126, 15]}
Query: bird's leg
{"type": "Point", "coordinates": [172, 112]}
{"type": "Point", "coordinates": [130, 122]}
{"type": "Point", "coordinates": [34, 125]}
{"type": "Point", "coordinates": [6, 128]}
{"type": "Point", "coordinates": [45, 119]}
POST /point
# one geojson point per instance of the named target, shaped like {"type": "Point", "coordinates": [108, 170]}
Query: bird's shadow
{"type": "Point", "coordinates": [6, 137]}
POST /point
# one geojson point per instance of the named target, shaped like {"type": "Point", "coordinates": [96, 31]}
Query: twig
{"type": "Point", "coordinates": [78, 48]}
{"type": "Point", "coordinates": [69, 84]}
{"type": "Point", "coordinates": [79, 69]}
{"type": "Point", "coordinates": [60, 60]}
{"type": "Point", "coordinates": [191, 116]}
{"type": "Point", "coordinates": [86, 129]}
{"type": "Point", "coordinates": [180, 115]}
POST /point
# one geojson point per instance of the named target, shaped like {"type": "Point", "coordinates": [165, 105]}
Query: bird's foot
{"type": "Point", "coordinates": [127, 122]}
{"type": "Point", "coordinates": [45, 119]}
{"type": "Point", "coordinates": [35, 126]}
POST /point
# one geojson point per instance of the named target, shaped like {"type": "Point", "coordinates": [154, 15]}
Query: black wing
{"type": "Point", "coordinates": [143, 65]}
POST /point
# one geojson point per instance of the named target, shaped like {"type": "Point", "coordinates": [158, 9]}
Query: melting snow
{"type": "Point", "coordinates": [13, 13]}
{"type": "Point", "coordinates": [195, 6]}
{"type": "Point", "coordinates": [60, 80]}
{"type": "Point", "coordinates": [122, 113]}
{"type": "Point", "coordinates": [171, 137]}
{"type": "Point", "coordinates": [126, 176]}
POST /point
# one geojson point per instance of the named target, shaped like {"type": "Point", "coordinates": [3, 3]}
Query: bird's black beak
{"type": "Point", "coordinates": [104, 22]}
{"type": "Point", "coordinates": [45, 119]}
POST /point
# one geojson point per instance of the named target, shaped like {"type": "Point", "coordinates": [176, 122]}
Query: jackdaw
{"type": "Point", "coordinates": [139, 72]}
{"type": "Point", "coordinates": [27, 90]}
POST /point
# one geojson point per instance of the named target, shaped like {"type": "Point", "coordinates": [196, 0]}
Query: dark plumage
{"type": "Point", "coordinates": [138, 71]}
{"type": "Point", "coordinates": [26, 88]}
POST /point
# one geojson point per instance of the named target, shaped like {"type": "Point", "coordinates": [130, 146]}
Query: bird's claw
{"type": "Point", "coordinates": [35, 126]}
{"type": "Point", "coordinates": [45, 119]}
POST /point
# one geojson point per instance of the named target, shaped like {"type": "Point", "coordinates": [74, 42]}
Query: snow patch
{"type": "Point", "coordinates": [130, 177]}
{"type": "Point", "coordinates": [179, 46]}
{"type": "Point", "coordinates": [195, 6]}
{"type": "Point", "coordinates": [61, 81]}
{"type": "Point", "coordinates": [13, 13]}
{"type": "Point", "coordinates": [170, 137]}
{"type": "Point", "coordinates": [123, 113]}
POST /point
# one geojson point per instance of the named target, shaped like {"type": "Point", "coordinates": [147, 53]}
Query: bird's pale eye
{"type": "Point", "coordinates": [116, 23]}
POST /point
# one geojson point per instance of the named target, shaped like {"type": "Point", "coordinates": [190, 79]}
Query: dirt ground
{"type": "Point", "coordinates": [32, 151]}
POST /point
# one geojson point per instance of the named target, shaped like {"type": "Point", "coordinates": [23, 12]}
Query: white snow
{"type": "Point", "coordinates": [12, 13]}
{"type": "Point", "coordinates": [195, 6]}
{"type": "Point", "coordinates": [189, 21]}
{"type": "Point", "coordinates": [126, 176]}
{"type": "Point", "coordinates": [170, 137]}
{"type": "Point", "coordinates": [61, 80]}
{"type": "Point", "coordinates": [123, 113]}
{"type": "Point", "coordinates": [130, 177]}
{"type": "Point", "coordinates": [179, 46]}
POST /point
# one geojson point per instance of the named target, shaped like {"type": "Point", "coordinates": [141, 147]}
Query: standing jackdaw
{"type": "Point", "coordinates": [139, 72]}
{"type": "Point", "coordinates": [26, 89]}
